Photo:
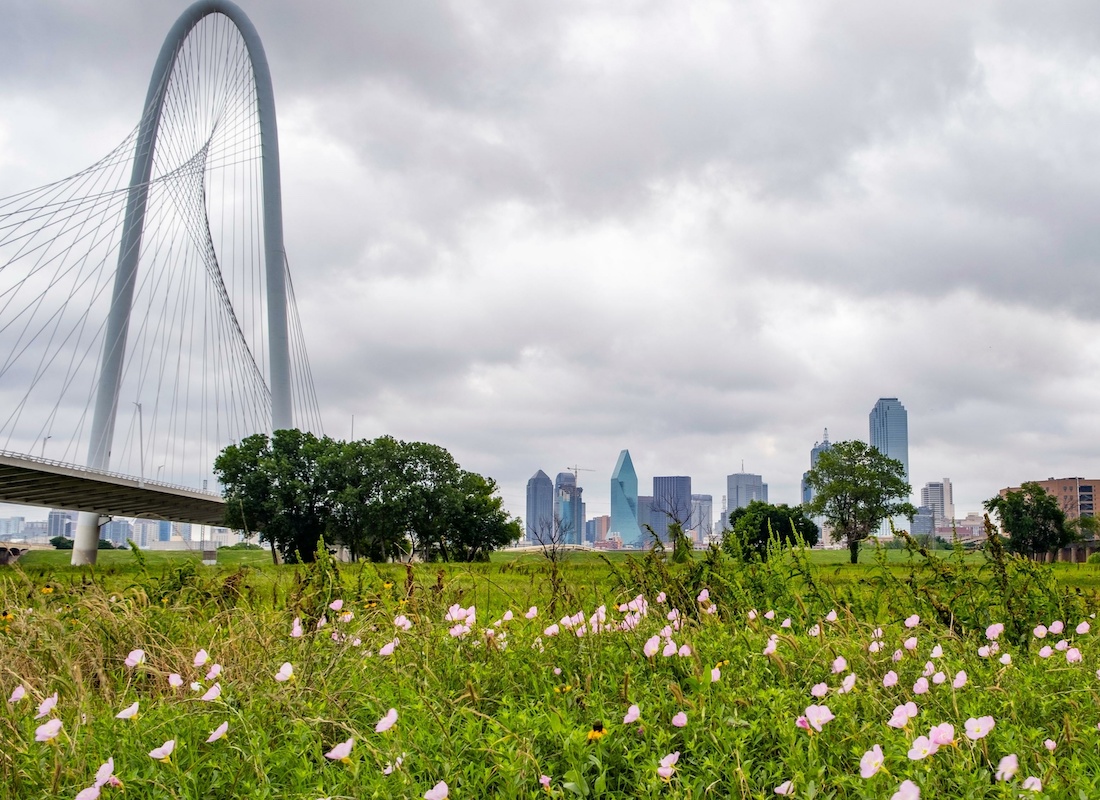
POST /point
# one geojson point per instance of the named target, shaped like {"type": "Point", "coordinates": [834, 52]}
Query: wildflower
{"type": "Point", "coordinates": [665, 770]}
{"type": "Point", "coordinates": [871, 762]}
{"type": "Point", "coordinates": [322, 622]}
{"type": "Point", "coordinates": [196, 686]}
{"type": "Point", "coordinates": [770, 647]}
{"type": "Point", "coordinates": [1050, 744]}
{"type": "Point", "coordinates": [890, 679]}
{"type": "Point", "coordinates": [387, 722]}
{"type": "Point", "coordinates": [47, 590]}
{"type": "Point", "coordinates": [896, 656]}
{"type": "Point", "coordinates": [960, 679]}
{"type": "Point", "coordinates": [994, 630]}
{"type": "Point", "coordinates": [91, 793]}
{"type": "Point", "coordinates": [785, 623]}
{"type": "Point", "coordinates": [921, 686]}
{"type": "Point", "coordinates": [651, 645]}
{"type": "Point", "coordinates": [913, 621]}
{"type": "Point", "coordinates": [1046, 652]}
{"type": "Point", "coordinates": [680, 720]}
{"type": "Point", "coordinates": [819, 690]}
{"type": "Point", "coordinates": [597, 731]}
{"type": "Point", "coordinates": [387, 585]}
{"type": "Point", "coordinates": [1082, 628]}
{"type": "Point", "coordinates": [285, 673]}
{"type": "Point", "coordinates": [752, 615]}
{"type": "Point", "coordinates": [164, 752]}
{"type": "Point", "coordinates": [814, 631]}
{"type": "Point", "coordinates": [831, 616]}
{"type": "Point", "coordinates": [1006, 659]}
{"type": "Point", "coordinates": [213, 693]}
{"type": "Point", "coordinates": [978, 728]}
{"type": "Point", "coordinates": [715, 675]}
{"type": "Point", "coordinates": [341, 751]}
{"type": "Point", "coordinates": [174, 680]}
{"type": "Point", "coordinates": [532, 612]}
{"type": "Point", "coordinates": [437, 792]}
{"type": "Point", "coordinates": [397, 762]}
{"type": "Point", "coordinates": [670, 649]}
{"type": "Point", "coordinates": [1040, 631]}
{"type": "Point", "coordinates": [929, 668]}
{"type": "Point", "coordinates": [1007, 768]}
{"type": "Point", "coordinates": [661, 597]}
{"type": "Point", "coordinates": [388, 648]}
{"type": "Point", "coordinates": [1056, 627]}
{"type": "Point", "coordinates": [17, 694]}
{"type": "Point", "coordinates": [403, 622]}
{"type": "Point", "coordinates": [922, 748]}
{"type": "Point", "coordinates": [703, 597]}
{"type": "Point", "coordinates": [336, 605]}
{"type": "Point", "coordinates": [218, 733]}
{"type": "Point", "coordinates": [802, 723]}
{"type": "Point", "coordinates": [907, 791]}
{"type": "Point", "coordinates": [684, 651]}
{"type": "Point", "coordinates": [201, 658]}
{"type": "Point", "coordinates": [46, 706]}
{"type": "Point", "coordinates": [105, 772]}
{"type": "Point", "coordinates": [552, 630]}
{"type": "Point", "coordinates": [135, 658]}
{"type": "Point", "coordinates": [47, 731]}
{"type": "Point", "coordinates": [847, 684]}
{"type": "Point", "coordinates": [939, 678]}
{"type": "Point", "coordinates": [839, 665]}
{"type": "Point", "coordinates": [130, 712]}
{"type": "Point", "coordinates": [508, 616]}
{"type": "Point", "coordinates": [769, 615]}
{"type": "Point", "coordinates": [544, 780]}
{"type": "Point", "coordinates": [817, 716]}
{"type": "Point", "coordinates": [937, 652]}
{"type": "Point", "coordinates": [296, 628]}
{"type": "Point", "coordinates": [1073, 655]}
{"type": "Point", "coordinates": [1032, 784]}
{"type": "Point", "coordinates": [461, 630]}
{"type": "Point", "coordinates": [910, 643]}
{"type": "Point", "coordinates": [942, 734]}
{"type": "Point", "coordinates": [902, 715]}
{"type": "Point", "coordinates": [785, 788]}
{"type": "Point", "coordinates": [214, 672]}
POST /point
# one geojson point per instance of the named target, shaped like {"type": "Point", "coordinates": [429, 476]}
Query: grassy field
{"type": "Point", "coordinates": [622, 676]}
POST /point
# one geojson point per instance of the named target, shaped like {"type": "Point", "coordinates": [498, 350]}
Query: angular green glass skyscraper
{"type": "Point", "coordinates": [624, 501]}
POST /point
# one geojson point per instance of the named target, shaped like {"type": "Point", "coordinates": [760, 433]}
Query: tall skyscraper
{"type": "Point", "coordinates": [672, 502]}
{"type": "Point", "coordinates": [937, 495]}
{"type": "Point", "coordinates": [742, 488]}
{"type": "Point", "coordinates": [624, 500]}
{"type": "Point", "coordinates": [702, 517]}
{"type": "Point", "coordinates": [647, 516]}
{"type": "Point", "coordinates": [540, 507]}
{"type": "Point", "coordinates": [889, 424]}
{"type": "Point", "coordinates": [568, 509]}
{"type": "Point", "coordinates": [815, 454]}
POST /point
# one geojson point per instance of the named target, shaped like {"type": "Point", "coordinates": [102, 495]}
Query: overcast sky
{"type": "Point", "coordinates": [537, 233]}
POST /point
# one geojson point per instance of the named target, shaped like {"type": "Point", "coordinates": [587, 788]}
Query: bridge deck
{"type": "Point", "coordinates": [36, 482]}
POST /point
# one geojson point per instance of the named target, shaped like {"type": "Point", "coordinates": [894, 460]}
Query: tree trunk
{"type": "Point", "coordinates": [853, 550]}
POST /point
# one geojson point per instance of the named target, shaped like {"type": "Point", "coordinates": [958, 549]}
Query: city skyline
{"type": "Point", "coordinates": [534, 244]}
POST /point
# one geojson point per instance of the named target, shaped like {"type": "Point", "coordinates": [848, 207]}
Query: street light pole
{"type": "Point", "coordinates": [44, 438]}
{"type": "Point", "coordinates": [158, 471]}
{"type": "Point", "coordinates": [141, 443]}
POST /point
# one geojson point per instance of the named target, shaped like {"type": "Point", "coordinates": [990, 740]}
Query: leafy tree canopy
{"type": "Point", "coordinates": [380, 498]}
{"type": "Point", "coordinates": [61, 543]}
{"type": "Point", "coordinates": [755, 525]}
{"type": "Point", "coordinates": [856, 487]}
{"type": "Point", "coordinates": [1032, 518]}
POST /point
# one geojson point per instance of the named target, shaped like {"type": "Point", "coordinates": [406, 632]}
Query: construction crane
{"type": "Point", "coordinates": [576, 469]}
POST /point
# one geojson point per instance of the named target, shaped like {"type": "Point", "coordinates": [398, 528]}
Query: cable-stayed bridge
{"type": "Point", "coordinates": [147, 316]}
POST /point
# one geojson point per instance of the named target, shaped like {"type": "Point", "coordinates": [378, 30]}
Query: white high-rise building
{"type": "Point", "coordinates": [937, 495]}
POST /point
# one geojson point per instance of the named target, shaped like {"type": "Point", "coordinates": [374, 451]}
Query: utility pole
{"type": "Point", "coordinates": [141, 444]}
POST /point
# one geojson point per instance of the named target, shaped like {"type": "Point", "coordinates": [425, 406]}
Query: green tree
{"type": "Point", "coordinates": [1032, 518]}
{"type": "Point", "coordinates": [753, 526]}
{"type": "Point", "coordinates": [274, 485]}
{"type": "Point", "coordinates": [855, 488]}
{"type": "Point", "coordinates": [61, 543]}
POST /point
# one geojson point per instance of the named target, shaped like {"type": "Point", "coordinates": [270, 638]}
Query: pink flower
{"type": "Point", "coordinates": [922, 748]}
{"type": "Point", "coordinates": [508, 617]}
{"type": "Point", "coordinates": [1040, 631]}
{"type": "Point", "coordinates": [939, 678]}
{"type": "Point", "coordinates": [218, 733]}
{"type": "Point", "coordinates": [715, 675]}
{"type": "Point", "coordinates": [17, 694]}
{"type": "Point", "coordinates": [532, 612]}
{"type": "Point", "coordinates": [164, 752]}
{"type": "Point", "coordinates": [942, 734]}
{"type": "Point", "coordinates": [817, 716]}
{"type": "Point", "coordinates": [907, 791]}
{"type": "Point", "coordinates": [819, 690]}
{"type": "Point", "coordinates": [670, 649]}
{"type": "Point", "coordinates": [104, 773]}
{"type": "Point", "coordinates": [785, 623]}
{"type": "Point", "coordinates": [839, 664]}
{"type": "Point", "coordinates": [135, 658]}
{"type": "Point", "coordinates": [984, 651]}
{"type": "Point", "coordinates": [979, 728]}
{"type": "Point", "coordinates": [1082, 628]}
{"type": "Point", "coordinates": [214, 672]}
{"type": "Point", "coordinates": [921, 686]}
{"type": "Point", "coordinates": [937, 652]}
{"type": "Point", "coordinates": [1050, 744]}
{"type": "Point", "coordinates": [1057, 627]}
{"type": "Point", "coordinates": [847, 684]}
{"type": "Point", "coordinates": [960, 679]}
{"type": "Point", "coordinates": [994, 630]}
{"type": "Point", "coordinates": [665, 770]}
{"type": "Point", "coordinates": [342, 751]}
{"type": "Point", "coordinates": [545, 781]}
{"type": "Point", "coordinates": [1073, 655]}
{"type": "Point", "coordinates": [336, 605]}
{"type": "Point", "coordinates": [831, 616]}
{"type": "Point", "coordinates": [770, 647]}
{"type": "Point", "coordinates": [680, 720]}
{"type": "Point", "coordinates": [437, 792]}
{"type": "Point", "coordinates": [296, 628]}
{"type": "Point", "coordinates": [129, 712]}
{"type": "Point", "coordinates": [802, 723]}
{"type": "Point", "coordinates": [890, 679]}
{"type": "Point", "coordinates": [213, 693]}
{"type": "Point", "coordinates": [404, 623]}
{"type": "Point", "coordinates": [785, 788]}
{"type": "Point", "coordinates": [684, 651]}
{"type": "Point", "coordinates": [1005, 659]}
{"type": "Point", "coordinates": [871, 762]}
{"type": "Point", "coordinates": [285, 673]}
{"type": "Point", "coordinates": [47, 731]}
{"type": "Point", "coordinates": [397, 762]}
{"type": "Point", "coordinates": [46, 706]}
{"type": "Point", "coordinates": [201, 658]}
{"type": "Point", "coordinates": [91, 793]}
{"type": "Point", "coordinates": [632, 715]}
{"type": "Point", "coordinates": [913, 621]}
{"type": "Point", "coordinates": [651, 646]}
{"type": "Point", "coordinates": [910, 643]}
{"type": "Point", "coordinates": [388, 647]}
{"type": "Point", "coordinates": [1007, 768]}
{"type": "Point", "coordinates": [553, 630]}
{"type": "Point", "coordinates": [1032, 784]}
{"type": "Point", "coordinates": [174, 680]}
{"type": "Point", "coordinates": [752, 615]}
{"type": "Point", "coordinates": [661, 597]}
{"type": "Point", "coordinates": [387, 722]}
{"type": "Point", "coordinates": [769, 615]}
{"type": "Point", "coordinates": [814, 631]}
{"type": "Point", "coordinates": [703, 597]}
{"type": "Point", "coordinates": [1046, 652]}
{"type": "Point", "coordinates": [896, 656]}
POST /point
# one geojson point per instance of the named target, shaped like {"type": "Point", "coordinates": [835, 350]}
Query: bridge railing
{"type": "Point", "coordinates": [103, 473]}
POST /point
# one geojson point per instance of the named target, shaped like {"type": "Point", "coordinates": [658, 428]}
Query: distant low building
{"type": "Point", "coordinates": [1074, 495]}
